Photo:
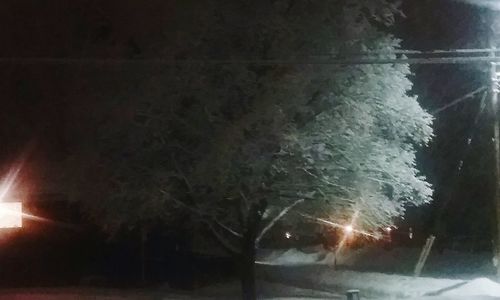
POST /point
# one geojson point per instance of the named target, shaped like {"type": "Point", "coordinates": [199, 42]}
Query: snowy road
{"type": "Point", "coordinates": [380, 286]}
{"type": "Point", "coordinates": [312, 268]}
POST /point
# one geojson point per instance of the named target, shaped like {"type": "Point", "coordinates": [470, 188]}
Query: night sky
{"type": "Point", "coordinates": [468, 192]}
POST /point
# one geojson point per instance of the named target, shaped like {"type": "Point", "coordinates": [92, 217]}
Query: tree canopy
{"type": "Point", "coordinates": [219, 140]}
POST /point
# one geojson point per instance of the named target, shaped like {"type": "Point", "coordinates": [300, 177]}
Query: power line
{"type": "Point", "coordinates": [304, 61]}
{"type": "Point", "coordinates": [419, 52]}
{"type": "Point", "coordinates": [456, 101]}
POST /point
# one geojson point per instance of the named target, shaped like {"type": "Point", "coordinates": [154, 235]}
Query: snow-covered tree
{"type": "Point", "coordinates": [239, 146]}
{"type": "Point", "coordinates": [358, 153]}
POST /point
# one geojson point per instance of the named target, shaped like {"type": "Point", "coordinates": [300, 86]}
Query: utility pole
{"type": "Point", "coordinates": [496, 142]}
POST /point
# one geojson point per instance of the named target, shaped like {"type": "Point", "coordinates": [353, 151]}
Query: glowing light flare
{"type": "Point", "coordinates": [341, 226]}
{"type": "Point", "coordinates": [288, 235]}
{"type": "Point", "coordinates": [11, 215]}
{"type": "Point", "coordinates": [9, 180]}
{"type": "Point", "coordinates": [388, 229]}
{"type": "Point", "coordinates": [348, 229]}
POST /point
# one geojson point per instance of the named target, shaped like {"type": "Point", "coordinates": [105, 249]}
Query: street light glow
{"type": "Point", "coordinates": [9, 180]}
{"type": "Point", "coordinates": [11, 215]}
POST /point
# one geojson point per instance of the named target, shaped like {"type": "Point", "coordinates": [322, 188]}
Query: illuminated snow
{"type": "Point", "coordinates": [492, 4]}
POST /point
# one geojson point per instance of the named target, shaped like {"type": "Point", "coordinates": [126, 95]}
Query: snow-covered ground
{"type": "Point", "coordinates": [313, 269]}
{"type": "Point", "coordinates": [481, 289]}
{"type": "Point", "coordinates": [448, 264]}
{"type": "Point", "coordinates": [266, 291]}
{"type": "Point", "coordinates": [309, 274]}
{"type": "Point", "coordinates": [228, 291]}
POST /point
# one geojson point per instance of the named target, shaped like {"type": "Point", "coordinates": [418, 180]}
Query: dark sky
{"type": "Point", "coordinates": [39, 101]}
{"type": "Point", "coordinates": [445, 24]}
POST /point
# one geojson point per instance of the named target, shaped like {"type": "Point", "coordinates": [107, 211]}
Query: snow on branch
{"type": "Point", "coordinates": [276, 219]}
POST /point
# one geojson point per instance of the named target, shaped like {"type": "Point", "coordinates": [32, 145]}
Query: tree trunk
{"type": "Point", "coordinates": [247, 273]}
{"type": "Point", "coordinates": [143, 254]}
{"type": "Point", "coordinates": [248, 250]}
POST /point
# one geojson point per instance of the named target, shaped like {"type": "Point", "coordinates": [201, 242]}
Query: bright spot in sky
{"type": "Point", "coordinates": [288, 235]}
{"type": "Point", "coordinates": [388, 229]}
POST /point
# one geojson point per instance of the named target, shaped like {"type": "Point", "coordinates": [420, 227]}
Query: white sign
{"type": "Point", "coordinates": [11, 214]}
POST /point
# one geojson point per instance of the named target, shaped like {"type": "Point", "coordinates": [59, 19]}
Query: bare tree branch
{"type": "Point", "coordinates": [326, 181]}
{"type": "Point", "coordinates": [245, 199]}
{"type": "Point", "coordinates": [276, 219]}
{"type": "Point", "coordinates": [186, 181]}
{"type": "Point", "coordinates": [224, 242]}
{"type": "Point", "coordinates": [228, 229]}
{"type": "Point", "coordinates": [208, 219]}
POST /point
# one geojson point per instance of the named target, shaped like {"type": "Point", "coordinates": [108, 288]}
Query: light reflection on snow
{"type": "Point", "coordinates": [491, 4]}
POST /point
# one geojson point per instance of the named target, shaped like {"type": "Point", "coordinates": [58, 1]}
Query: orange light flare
{"type": "Point", "coordinates": [348, 229]}
{"type": "Point", "coordinates": [11, 213]}
{"type": "Point", "coordinates": [12, 216]}
{"type": "Point", "coordinates": [9, 180]}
